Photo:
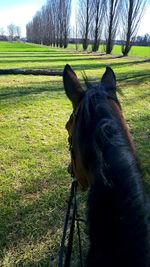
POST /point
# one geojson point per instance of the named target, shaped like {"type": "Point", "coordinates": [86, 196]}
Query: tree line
{"type": "Point", "coordinates": [143, 40]}
{"type": "Point", "coordinates": [96, 20]}
{"type": "Point", "coordinates": [12, 30]}
{"type": "Point", "coordinates": [50, 25]}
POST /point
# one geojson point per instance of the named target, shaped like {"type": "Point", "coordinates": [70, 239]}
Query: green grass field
{"type": "Point", "coordinates": [34, 184]}
{"type": "Point", "coordinates": [136, 51]}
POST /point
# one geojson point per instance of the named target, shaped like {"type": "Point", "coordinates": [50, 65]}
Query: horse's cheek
{"type": "Point", "coordinates": [81, 175]}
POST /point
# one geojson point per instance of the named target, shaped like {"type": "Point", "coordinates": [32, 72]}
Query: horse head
{"type": "Point", "coordinates": [94, 110]}
{"type": "Point", "coordinates": [103, 159]}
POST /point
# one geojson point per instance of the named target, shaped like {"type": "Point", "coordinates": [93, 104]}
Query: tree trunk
{"type": "Point", "coordinates": [126, 48]}
{"type": "Point", "coordinates": [96, 41]}
{"type": "Point", "coordinates": [109, 44]}
{"type": "Point", "coordinates": [85, 40]}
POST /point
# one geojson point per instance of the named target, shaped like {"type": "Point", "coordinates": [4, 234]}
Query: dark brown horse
{"type": "Point", "coordinates": [103, 159]}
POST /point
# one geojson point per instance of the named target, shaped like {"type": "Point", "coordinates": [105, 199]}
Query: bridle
{"type": "Point", "coordinates": [72, 165]}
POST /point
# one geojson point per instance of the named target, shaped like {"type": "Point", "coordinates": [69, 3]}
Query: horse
{"type": "Point", "coordinates": [104, 160]}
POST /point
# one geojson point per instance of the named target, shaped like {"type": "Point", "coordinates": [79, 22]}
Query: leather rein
{"type": "Point", "coordinates": [72, 217]}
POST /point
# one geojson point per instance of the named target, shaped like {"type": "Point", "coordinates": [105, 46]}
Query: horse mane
{"type": "Point", "coordinates": [120, 227]}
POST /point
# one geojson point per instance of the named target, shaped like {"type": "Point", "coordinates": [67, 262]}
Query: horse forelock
{"type": "Point", "coordinates": [99, 116]}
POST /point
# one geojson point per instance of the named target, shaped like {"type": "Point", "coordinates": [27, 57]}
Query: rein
{"type": "Point", "coordinates": [70, 219]}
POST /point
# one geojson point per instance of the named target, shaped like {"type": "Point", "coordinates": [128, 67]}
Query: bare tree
{"type": "Point", "coordinates": [132, 12]}
{"type": "Point", "coordinates": [76, 34]}
{"type": "Point", "coordinates": [99, 7]}
{"type": "Point", "coordinates": [37, 24]}
{"type": "Point", "coordinates": [61, 26]}
{"type": "Point", "coordinates": [18, 31]}
{"type": "Point", "coordinates": [46, 24]}
{"type": "Point", "coordinates": [2, 32]}
{"type": "Point", "coordinates": [11, 30]}
{"type": "Point", "coordinates": [85, 20]}
{"type": "Point", "coordinates": [66, 21]}
{"type": "Point", "coordinates": [54, 17]}
{"type": "Point", "coordinates": [111, 22]}
{"type": "Point", "coordinates": [50, 26]}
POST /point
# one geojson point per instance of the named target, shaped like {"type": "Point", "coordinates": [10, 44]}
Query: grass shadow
{"type": "Point", "coordinates": [29, 213]}
{"type": "Point", "coordinates": [34, 89]}
{"type": "Point", "coordinates": [128, 78]}
{"type": "Point", "coordinates": [135, 78]}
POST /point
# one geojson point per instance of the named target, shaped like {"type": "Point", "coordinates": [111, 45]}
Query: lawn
{"type": "Point", "coordinates": [34, 184]}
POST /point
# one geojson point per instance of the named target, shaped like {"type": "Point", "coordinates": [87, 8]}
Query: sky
{"type": "Point", "coordinates": [20, 12]}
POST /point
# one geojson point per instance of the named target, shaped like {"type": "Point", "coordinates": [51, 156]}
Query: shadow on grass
{"type": "Point", "coordinates": [74, 59]}
{"type": "Point", "coordinates": [43, 55]}
{"type": "Point", "coordinates": [37, 51]}
{"type": "Point", "coordinates": [30, 213]}
{"type": "Point", "coordinates": [125, 79]}
{"type": "Point", "coordinates": [132, 100]}
{"type": "Point", "coordinates": [140, 130]}
{"type": "Point", "coordinates": [35, 89]}
{"type": "Point", "coordinates": [45, 262]}
{"type": "Point", "coordinates": [51, 60]}
{"type": "Point", "coordinates": [136, 78]}
{"type": "Point", "coordinates": [103, 65]}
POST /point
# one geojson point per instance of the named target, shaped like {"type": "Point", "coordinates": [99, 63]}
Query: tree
{"type": "Point", "coordinates": [76, 34]}
{"type": "Point", "coordinates": [146, 39]}
{"type": "Point", "coordinates": [85, 20]}
{"type": "Point", "coordinates": [18, 31]}
{"type": "Point", "coordinates": [50, 25]}
{"type": "Point", "coordinates": [11, 30]}
{"type": "Point", "coordinates": [131, 15]}
{"type": "Point", "coordinates": [143, 40]}
{"type": "Point", "coordinates": [111, 22]}
{"type": "Point", "coordinates": [66, 18]}
{"type": "Point", "coordinates": [2, 32]}
{"type": "Point", "coordinates": [97, 25]}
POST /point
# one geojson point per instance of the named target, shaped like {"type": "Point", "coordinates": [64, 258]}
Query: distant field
{"type": "Point", "coordinates": [34, 184]}
{"type": "Point", "coordinates": [136, 51]}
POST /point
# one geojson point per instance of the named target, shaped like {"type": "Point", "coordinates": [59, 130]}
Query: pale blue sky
{"type": "Point", "coordinates": [12, 3]}
{"type": "Point", "coordinates": [20, 12]}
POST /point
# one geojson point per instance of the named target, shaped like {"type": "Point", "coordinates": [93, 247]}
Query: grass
{"type": "Point", "coordinates": [136, 51]}
{"type": "Point", "coordinates": [33, 145]}
{"type": "Point", "coordinates": [18, 46]}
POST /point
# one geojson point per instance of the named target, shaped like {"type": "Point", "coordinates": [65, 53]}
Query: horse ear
{"type": "Point", "coordinates": [109, 79]}
{"type": "Point", "coordinates": [72, 86]}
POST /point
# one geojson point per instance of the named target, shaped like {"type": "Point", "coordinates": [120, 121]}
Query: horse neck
{"type": "Point", "coordinates": [118, 220]}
